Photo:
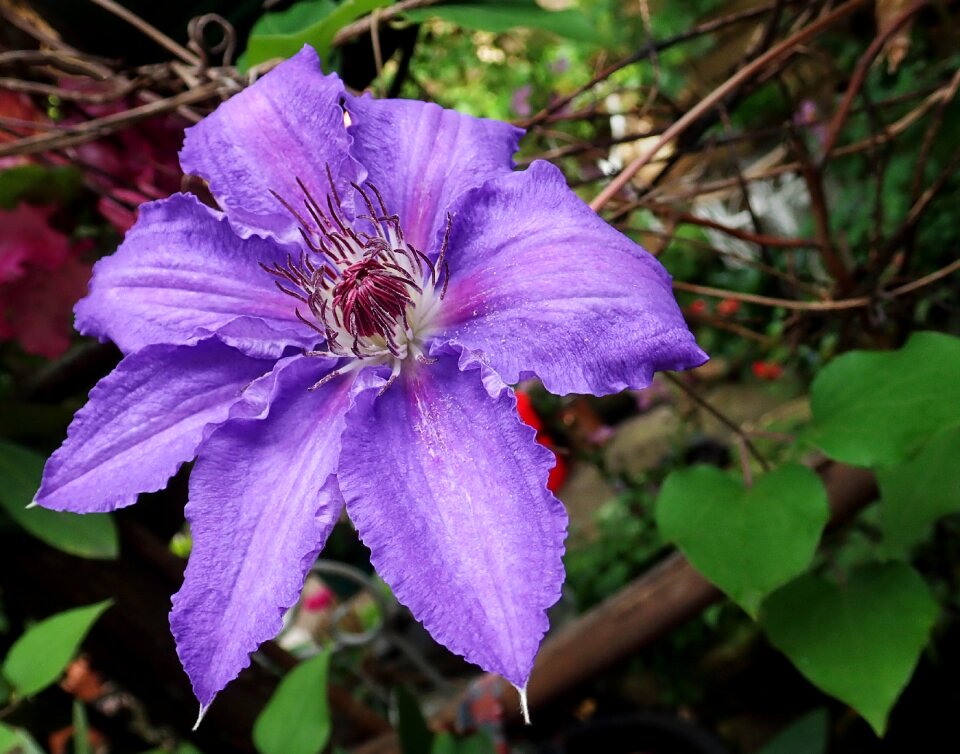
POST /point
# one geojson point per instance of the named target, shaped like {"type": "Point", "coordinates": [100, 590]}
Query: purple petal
{"type": "Point", "coordinates": [422, 157]}
{"type": "Point", "coordinates": [288, 125]}
{"type": "Point", "coordinates": [541, 286]}
{"type": "Point", "coordinates": [180, 275]}
{"type": "Point", "coordinates": [262, 502]}
{"type": "Point", "coordinates": [447, 487]}
{"type": "Point", "coordinates": [142, 421]}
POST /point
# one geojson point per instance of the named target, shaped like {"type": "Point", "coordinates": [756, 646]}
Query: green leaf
{"type": "Point", "coordinates": [747, 542]}
{"type": "Point", "coordinates": [294, 19]}
{"type": "Point", "coordinates": [808, 735]}
{"type": "Point", "coordinates": [38, 657]}
{"type": "Point", "coordinates": [9, 738]}
{"type": "Point", "coordinates": [878, 408]}
{"type": "Point", "coordinates": [81, 730]}
{"type": "Point", "coordinates": [296, 720]}
{"type": "Point", "coordinates": [501, 15]}
{"type": "Point", "coordinates": [17, 741]}
{"type": "Point", "coordinates": [39, 184]}
{"type": "Point", "coordinates": [92, 535]}
{"type": "Point", "coordinates": [412, 730]}
{"type": "Point", "coordinates": [858, 641]}
{"type": "Point", "coordinates": [914, 494]}
{"type": "Point", "coordinates": [312, 22]}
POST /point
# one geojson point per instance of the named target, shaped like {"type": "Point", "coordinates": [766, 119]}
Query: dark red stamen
{"type": "Point", "coordinates": [371, 298]}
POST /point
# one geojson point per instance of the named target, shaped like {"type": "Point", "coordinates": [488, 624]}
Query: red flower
{"type": "Point", "coordinates": [558, 474]}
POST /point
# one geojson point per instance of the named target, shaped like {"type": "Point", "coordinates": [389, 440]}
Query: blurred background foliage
{"type": "Point", "coordinates": [763, 554]}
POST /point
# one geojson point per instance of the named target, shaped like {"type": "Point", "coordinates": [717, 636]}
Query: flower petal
{"type": "Point", "coordinates": [541, 286]}
{"type": "Point", "coordinates": [422, 157]}
{"type": "Point", "coordinates": [142, 421]}
{"type": "Point", "coordinates": [180, 275]}
{"type": "Point", "coordinates": [262, 502]}
{"type": "Point", "coordinates": [447, 487]}
{"type": "Point", "coordinates": [288, 126]}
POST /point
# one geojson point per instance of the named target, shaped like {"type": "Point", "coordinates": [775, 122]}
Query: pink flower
{"type": "Point", "coordinates": [41, 277]}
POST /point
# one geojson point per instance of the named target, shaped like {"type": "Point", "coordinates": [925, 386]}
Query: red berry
{"type": "Point", "coordinates": [728, 307]}
{"type": "Point", "coordinates": [767, 370]}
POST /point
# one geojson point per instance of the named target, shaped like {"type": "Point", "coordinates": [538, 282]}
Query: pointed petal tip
{"type": "Point", "coordinates": [203, 712]}
{"type": "Point", "coordinates": [524, 707]}
{"type": "Point", "coordinates": [32, 504]}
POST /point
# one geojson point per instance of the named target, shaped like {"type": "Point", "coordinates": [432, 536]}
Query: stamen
{"type": "Point", "coordinates": [370, 295]}
{"type": "Point", "coordinates": [309, 323]}
{"type": "Point", "coordinates": [333, 187]}
{"type": "Point", "coordinates": [393, 378]}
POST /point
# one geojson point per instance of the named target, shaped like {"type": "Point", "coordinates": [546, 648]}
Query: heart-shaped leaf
{"type": "Point", "coordinates": [917, 492]}
{"type": "Point", "coordinates": [877, 408]}
{"type": "Point", "coordinates": [747, 542]}
{"type": "Point", "coordinates": [858, 641]}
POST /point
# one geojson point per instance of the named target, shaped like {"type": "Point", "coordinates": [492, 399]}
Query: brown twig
{"type": "Point", "coordinates": [720, 417]}
{"type": "Point", "coordinates": [149, 30]}
{"type": "Point", "coordinates": [813, 176]}
{"type": "Point", "coordinates": [365, 24]}
{"type": "Point", "coordinates": [720, 93]}
{"type": "Point", "coordinates": [644, 52]}
{"type": "Point", "coordinates": [860, 75]}
{"type": "Point", "coordinates": [98, 127]}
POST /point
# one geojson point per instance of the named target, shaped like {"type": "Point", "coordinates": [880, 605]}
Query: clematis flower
{"type": "Point", "coordinates": [343, 333]}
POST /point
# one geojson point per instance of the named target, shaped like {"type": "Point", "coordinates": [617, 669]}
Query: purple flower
{"type": "Point", "coordinates": [520, 100]}
{"type": "Point", "coordinates": [343, 333]}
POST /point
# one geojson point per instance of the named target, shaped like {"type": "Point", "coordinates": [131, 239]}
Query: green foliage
{"type": "Point", "coordinates": [17, 741]}
{"type": "Point", "coordinates": [746, 541]}
{"type": "Point", "coordinates": [481, 72]}
{"type": "Point", "coordinates": [625, 544]}
{"type": "Point", "coordinates": [38, 657]}
{"type": "Point", "coordinates": [297, 720]}
{"type": "Point", "coordinates": [416, 738]}
{"type": "Point", "coordinates": [37, 183]}
{"type": "Point", "coordinates": [502, 15]}
{"type": "Point", "coordinates": [914, 494]}
{"type": "Point", "coordinates": [880, 408]}
{"type": "Point", "coordinates": [808, 735]}
{"type": "Point", "coordinates": [92, 535]}
{"type": "Point", "coordinates": [81, 729]}
{"type": "Point", "coordinates": [412, 730]}
{"type": "Point", "coordinates": [312, 22]}
{"type": "Point", "coordinates": [859, 640]}
{"type": "Point", "coordinates": [854, 178]}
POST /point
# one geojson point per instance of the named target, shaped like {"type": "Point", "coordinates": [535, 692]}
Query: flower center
{"type": "Point", "coordinates": [371, 295]}
{"type": "Point", "coordinates": [371, 298]}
